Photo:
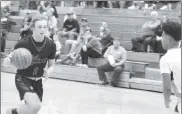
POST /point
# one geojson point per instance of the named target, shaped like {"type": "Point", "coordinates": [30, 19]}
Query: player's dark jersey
{"type": "Point", "coordinates": [41, 52]}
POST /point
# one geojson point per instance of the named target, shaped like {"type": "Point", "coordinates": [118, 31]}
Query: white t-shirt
{"type": "Point", "coordinates": [171, 62]}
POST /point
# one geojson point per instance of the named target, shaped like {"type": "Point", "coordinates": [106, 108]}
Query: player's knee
{"type": "Point", "coordinates": [33, 101]}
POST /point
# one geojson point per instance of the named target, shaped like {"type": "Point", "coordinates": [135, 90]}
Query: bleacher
{"type": "Point", "coordinates": [141, 69]}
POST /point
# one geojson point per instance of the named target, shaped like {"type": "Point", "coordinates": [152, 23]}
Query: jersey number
{"type": "Point", "coordinates": [36, 69]}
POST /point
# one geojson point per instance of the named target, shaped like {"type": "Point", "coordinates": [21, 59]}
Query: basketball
{"type": "Point", "coordinates": [21, 58]}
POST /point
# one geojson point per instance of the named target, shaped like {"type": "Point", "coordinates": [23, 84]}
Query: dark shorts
{"type": "Point", "coordinates": [24, 85]}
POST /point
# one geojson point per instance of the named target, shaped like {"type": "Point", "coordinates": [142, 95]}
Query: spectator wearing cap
{"type": "Point", "coordinates": [115, 57]}
{"type": "Point", "coordinates": [71, 29]}
{"type": "Point", "coordinates": [149, 28]}
{"type": "Point", "coordinates": [84, 25]}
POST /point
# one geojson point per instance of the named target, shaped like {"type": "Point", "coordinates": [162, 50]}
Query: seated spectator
{"type": "Point", "coordinates": [52, 22]}
{"type": "Point", "coordinates": [116, 57]}
{"type": "Point", "coordinates": [105, 37]}
{"type": "Point", "coordinates": [76, 45]}
{"type": "Point", "coordinates": [140, 44]}
{"type": "Point", "coordinates": [70, 31]}
{"type": "Point", "coordinates": [156, 42]}
{"type": "Point", "coordinates": [103, 28]}
{"type": "Point", "coordinates": [46, 5]}
{"type": "Point", "coordinates": [49, 4]}
{"type": "Point", "coordinates": [70, 12]}
{"type": "Point", "coordinates": [91, 49]}
{"type": "Point", "coordinates": [26, 29]}
{"type": "Point", "coordinates": [167, 5]}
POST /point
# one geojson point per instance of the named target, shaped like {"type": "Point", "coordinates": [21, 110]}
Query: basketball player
{"type": "Point", "coordinates": [29, 81]}
{"type": "Point", "coordinates": [171, 62]}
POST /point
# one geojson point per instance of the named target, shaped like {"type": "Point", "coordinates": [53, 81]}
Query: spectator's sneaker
{"type": "Point", "coordinates": [85, 66]}
{"type": "Point", "coordinates": [104, 83]}
{"type": "Point", "coordinates": [153, 6]}
{"type": "Point", "coordinates": [111, 84]}
{"type": "Point", "coordinates": [164, 7]}
{"type": "Point", "coordinates": [79, 65]}
{"type": "Point", "coordinates": [58, 61]}
{"type": "Point", "coordinates": [132, 7]}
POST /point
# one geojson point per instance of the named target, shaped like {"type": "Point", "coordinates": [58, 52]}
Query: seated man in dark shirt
{"type": "Point", "coordinates": [71, 28]}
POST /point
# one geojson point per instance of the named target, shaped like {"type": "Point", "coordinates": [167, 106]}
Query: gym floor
{"type": "Point", "coordinates": [81, 98]}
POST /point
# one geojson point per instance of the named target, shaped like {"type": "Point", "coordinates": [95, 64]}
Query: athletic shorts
{"type": "Point", "coordinates": [24, 85]}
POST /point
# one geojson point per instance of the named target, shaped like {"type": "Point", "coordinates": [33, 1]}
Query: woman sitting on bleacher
{"type": "Point", "coordinates": [46, 5]}
{"type": "Point", "coordinates": [105, 37]}
{"type": "Point", "coordinates": [52, 22]}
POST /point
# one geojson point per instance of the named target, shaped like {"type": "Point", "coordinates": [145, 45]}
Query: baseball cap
{"type": "Point", "coordinates": [84, 19]}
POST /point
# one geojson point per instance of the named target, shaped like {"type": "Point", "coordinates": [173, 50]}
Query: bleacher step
{"type": "Point", "coordinates": [146, 84]}
{"type": "Point", "coordinates": [153, 74]}
{"type": "Point", "coordinates": [144, 57]}
{"type": "Point", "coordinates": [12, 36]}
{"type": "Point", "coordinates": [90, 75]}
{"type": "Point", "coordinates": [15, 28]}
{"type": "Point", "coordinates": [129, 65]}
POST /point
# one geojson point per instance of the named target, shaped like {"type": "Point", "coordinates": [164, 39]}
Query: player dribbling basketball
{"type": "Point", "coordinates": [171, 63]}
{"type": "Point", "coordinates": [29, 81]}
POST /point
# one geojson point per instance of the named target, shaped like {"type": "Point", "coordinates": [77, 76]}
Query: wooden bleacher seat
{"type": "Point", "coordinates": [146, 84]}
{"type": "Point", "coordinates": [89, 75]}
{"type": "Point", "coordinates": [130, 66]}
